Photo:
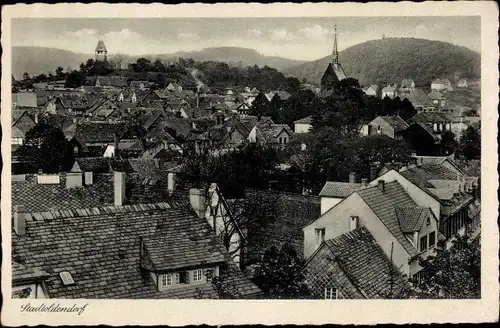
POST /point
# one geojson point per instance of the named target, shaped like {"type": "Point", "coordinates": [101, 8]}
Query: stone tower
{"type": "Point", "coordinates": [101, 54]}
{"type": "Point", "coordinates": [334, 71]}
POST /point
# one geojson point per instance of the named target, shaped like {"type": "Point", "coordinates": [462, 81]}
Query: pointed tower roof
{"type": "Point", "coordinates": [100, 46]}
{"type": "Point", "coordinates": [335, 54]}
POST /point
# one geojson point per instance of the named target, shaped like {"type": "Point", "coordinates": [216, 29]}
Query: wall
{"type": "Point", "coordinates": [337, 222]}
{"type": "Point", "coordinates": [252, 136]}
{"type": "Point", "coordinates": [36, 290]}
{"type": "Point", "coordinates": [425, 230]}
{"type": "Point", "coordinates": [386, 129]}
{"type": "Point", "coordinates": [302, 127]}
{"type": "Point", "coordinates": [420, 197]}
{"type": "Point", "coordinates": [329, 202]}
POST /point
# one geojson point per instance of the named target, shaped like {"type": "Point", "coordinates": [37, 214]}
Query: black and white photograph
{"type": "Point", "coordinates": [321, 158]}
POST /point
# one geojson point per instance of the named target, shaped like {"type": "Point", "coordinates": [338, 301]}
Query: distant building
{"type": "Point", "coordinates": [391, 126]}
{"type": "Point", "coordinates": [372, 90]}
{"type": "Point", "coordinates": [303, 125]}
{"type": "Point", "coordinates": [441, 85]}
{"type": "Point", "coordinates": [389, 91]}
{"type": "Point", "coordinates": [101, 54]}
{"type": "Point", "coordinates": [462, 83]}
{"type": "Point", "coordinates": [334, 71]}
{"type": "Point", "coordinates": [407, 85]}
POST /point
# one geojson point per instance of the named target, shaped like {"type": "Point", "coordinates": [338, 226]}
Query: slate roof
{"type": "Point", "coordinates": [100, 248]}
{"type": "Point", "coordinates": [22, 273]}
{"type": "Point", "coordinates": [339, 189]}
{"type": "Point", "coordinates": [383, 204]}
{"type": "Point", "coordinates": [94, 164]}
{"type": "Point", "coordinates": [411, 218]}
{"type": "Point", "coordinates": [100, 46]}
{"type": "Point", "coordinates": [396, 122]}
{"type": "Point", "coordinates": [363, 261]}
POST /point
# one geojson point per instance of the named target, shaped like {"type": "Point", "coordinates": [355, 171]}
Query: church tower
{"type": "Point", "coordinates": [101, 54]}
{"type": "Point", "coordinates": [334, 71]}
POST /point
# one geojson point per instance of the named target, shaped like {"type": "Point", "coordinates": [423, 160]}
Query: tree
{"type": "Point", "coordinates": [26, 77]}
{"type": "Point", "coordinates": [453, 273]}
{"type": "Point", "coordinates": [158, 66]}
{"type": "Point", "coordinates": [280, 275]}
{"type": "Point", "coordinates": [59, 72]}
{"type": "Point", "coordinates": [448, 144]}
{"type": "Point", "coordinates": [47, 146]}
{"type": "Point", "coordinates": [74, 79]}
{"type": "Point", "coordinates": [470, 144]}
{"type": "Point", "coordinates": [260, 105]}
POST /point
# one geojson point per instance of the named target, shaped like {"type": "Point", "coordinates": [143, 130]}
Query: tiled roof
{"type": "Point", "coordinates": [43, 197]}
{"type": "Point", "coordinates": [366, 264]}
{"type": "Point", "coordinates": [417, 97]}
{"type": "Point", "coordinates": [98, 132]}
{"type": "Point", "coordinates": [269, 132]}
{"type": "Point", "coordinates": [396, 122]}
{"type": "Point", "coordinates": [21, 273]}
{"type": "Point", "coordinates": [176, 249]}
{"type": "Point", "coordinates": [411, 218]}
{"type": "Point", "coordinates": [339, 189]}
{"type": "Point", "coordinates": [431, 117]}
{"type": "Point", "coordinates": [383, 204]}
{"type": "Point", "coordinates": [287, 214]}
{"type": "Point", "coordinates": [100, 247]}
{"type": "Point", "coordinates": [421, 174]}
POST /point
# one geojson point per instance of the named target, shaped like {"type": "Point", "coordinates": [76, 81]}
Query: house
{"type": "Point", "coordinates": [270, 133]}
{"type": "Point", "coordinates": [352, 266]}
{"type": "Point", "coordinates": [93, 138]}
{"type": "Point", "coordinates": [24, 99]}
{"type": "Point", "coordinates": [173, 87]}
{"type": "Point", "coordinates": [391, 126]}
{"type": "Point", "coordinates": [446, 192]}
{"type": "Point", "coordinates": [407, 85]}
{"type": "Point", "coordinates": [372, 90]}
{"type": "Point", "coordinates": [441, 85]}
{"type": "Point", "coordinates": [303, 125]}
{"type": "Point", "coordinates": [333, 192]}
{"type": "Point", "coordinates": [441, 122]}
{"type": "Point", "coordinates": [104, 109]}
{"type": "Point", "coordinates": [22, 122]}
{"type": "Point", "coordinates": [151, 251]}
{"type": "Point", "coordinates": [403, 229]}
{"type": "Point", "coordinates": [140, 85]}
{"type": "Point", "coordinates": [462, 83]}
{"type": "Point", "coordinates": [419, 100]}
{"type": "Point", "coordinates": [389, 91]}
{"type": "Point", "coordinates": [28, 282]}
{"type": "Point", "coordinates": [437, 98]}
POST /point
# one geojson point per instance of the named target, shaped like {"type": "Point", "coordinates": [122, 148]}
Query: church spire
{"type": "Point", "coordinates": [335, 59]}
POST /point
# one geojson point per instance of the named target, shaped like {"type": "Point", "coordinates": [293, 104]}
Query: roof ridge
{"type": "Point", "coordinates": [94, 211]}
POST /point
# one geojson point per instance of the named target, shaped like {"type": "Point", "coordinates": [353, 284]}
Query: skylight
{"type": "Point", "coordinates": [66, 278]}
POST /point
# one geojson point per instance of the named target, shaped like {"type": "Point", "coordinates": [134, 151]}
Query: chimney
{"type": "Point", "coordinates": [170, 182]}
{"type": "Point", "coordinates": [353, 224]}
{"type": "Point", "coordinates": [119, 186]}
{"type": "Point", "coordinates": [115, 144]}
{"type": "Point", "coordinates": [197, 200]}
{"type": "Point", "coordinates": [19, 220]}
{"type": "Point", "coordinates": [352, 177]}
{"type": "Point", "coordinates": [381, 185]}
{"type": "Point", "coordinates": [36, 118]}
{"type": "Point", "coordinates": [364, 182]}
{"type": "Point", "coordinates": [373, 173]}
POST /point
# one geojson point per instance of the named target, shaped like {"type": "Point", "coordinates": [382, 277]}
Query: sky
{"type": "Point", "coordinates": [290, 37]}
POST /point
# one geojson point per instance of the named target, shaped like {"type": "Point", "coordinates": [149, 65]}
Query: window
{"type": "Point", "coordinates": [320, 236]}
{"type": "Point", "coordinates": [331, 293]}
{"type": "Point", "coordinates": [197, 275]}
{"type": "Point", "coordinates": [423, 243]}
{"type": "Point", "coordinates": [379, 128]}
{"type": "Point", "coordinates": [166, 280]}
{"type": "Point", "coordinates": [432, 239]}
{"type": "Point", "coordinates": [280, 140]}
{"type": "Point", "coordinates": [209, 273]}
{"type": "Point", "coordinates": [428, 222]}
{"type": "Point", "coordinates": [182, 278]}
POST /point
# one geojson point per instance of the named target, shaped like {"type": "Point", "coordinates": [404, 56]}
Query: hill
{"type": "Point", "coordinates": [36, 60]}
{"type": "Point", "coordinates": [393, 59]}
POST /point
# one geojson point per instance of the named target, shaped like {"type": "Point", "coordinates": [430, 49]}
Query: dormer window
{"type": "Point", "coordinates": [166, 280]}
{"type": "Point", "coordinates": [331, 293]}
